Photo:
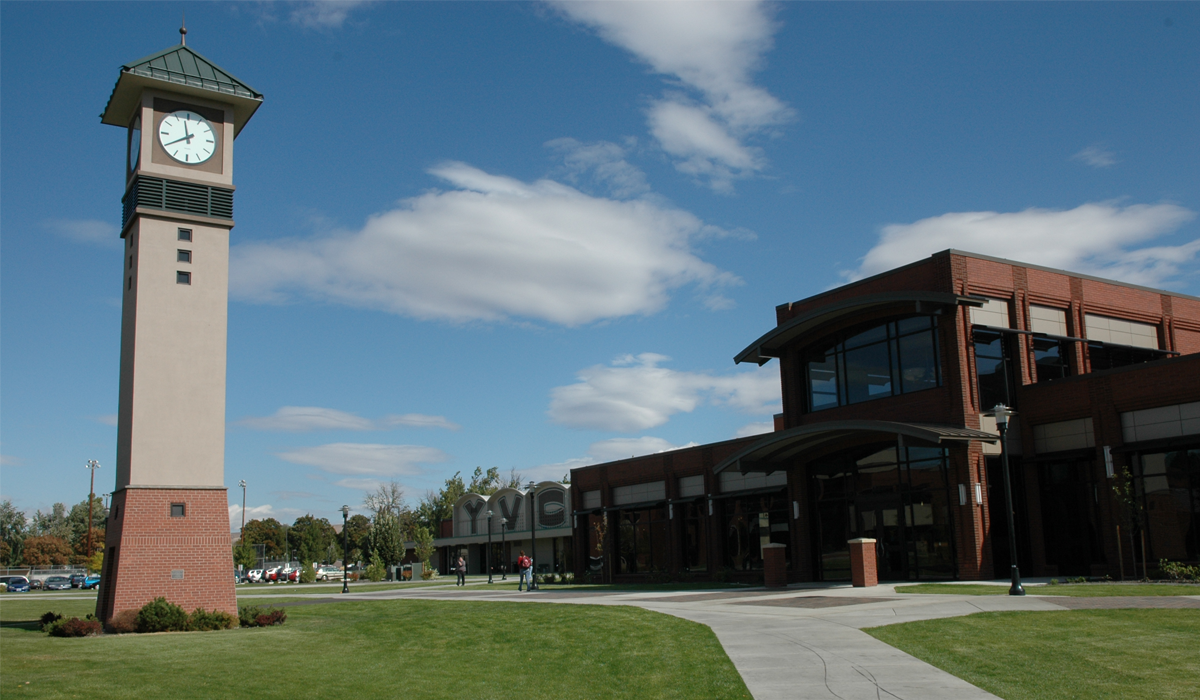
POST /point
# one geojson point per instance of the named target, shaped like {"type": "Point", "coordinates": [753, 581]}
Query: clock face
{"type": "Point", "coordinates": [187, 137]}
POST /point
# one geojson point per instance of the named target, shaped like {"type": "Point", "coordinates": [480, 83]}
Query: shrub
{"type": "Point", "coordinates": [274, 617]}
{"type": "Point", "coordinates": [429, 573]}
{"type": "Point", "coordinates": [74, 628]}
{"type": "Point", "coordinates": [254, 616]}
{"type": "Point", "coordinates": [48, 619]}
{"type": "Point", "coordinates": [308, 572]}
{"type": "Point", "coordinates": [203, 621]}
{"type": "Point", "coordinates": [1179, 572]}
{"type": "Point", "coordinates": [159, 615]}
{"type": "Point", "coordinates": [547, 578]}
{"type": "Point", "coordinates": [375, 571]}
{"type": "Point", "coordinates": [568, 577]}
{"type": "Point", "coordinates": [124, 622]}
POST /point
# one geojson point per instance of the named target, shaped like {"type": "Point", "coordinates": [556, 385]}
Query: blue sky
{"type": "Point", "coordinates": [534, 235]}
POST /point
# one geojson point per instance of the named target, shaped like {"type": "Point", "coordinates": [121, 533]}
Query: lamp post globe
{"type": "Point", "coordinates": [345, 549]}
{"type": "Point", "coordinates": [489, 549]}
{"type": "Point", "coordinates": [1002, 413]}
{"type": "Point", "coordinates": [503, 553]}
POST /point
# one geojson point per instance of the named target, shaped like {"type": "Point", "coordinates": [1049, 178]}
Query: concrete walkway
{"type": "Point", "coordinates": [806, 641]}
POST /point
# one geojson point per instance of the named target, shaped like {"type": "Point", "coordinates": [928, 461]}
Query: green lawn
{"type": "Point", "coordinates": [1094, 654]}
{"type": "Point", "coordinates": [398, 648]}
{"type": "Point", "coordinates": [1083, 590]}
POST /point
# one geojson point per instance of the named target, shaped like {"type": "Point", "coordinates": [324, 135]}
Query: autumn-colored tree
{"type": "Point", "coordinates": [47, 550]}
{"type": "Point", "coordinates": [82, 556]}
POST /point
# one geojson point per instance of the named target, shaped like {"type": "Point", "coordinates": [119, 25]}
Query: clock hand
{"type": "Point", "coordinates": [185, 138]}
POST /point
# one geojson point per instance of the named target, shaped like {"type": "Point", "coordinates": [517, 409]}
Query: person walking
{"type": "Point", "coordinates": [461, 569]}
{"type": "Point", "coordinates": [525, 564]}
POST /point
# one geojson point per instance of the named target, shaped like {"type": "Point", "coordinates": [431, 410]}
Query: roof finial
{"type": "Point", "coordinates": [183, 30]}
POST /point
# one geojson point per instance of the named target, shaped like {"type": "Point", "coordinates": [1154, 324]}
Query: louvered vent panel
{"type": "Point", "coordinates": [172, 195]}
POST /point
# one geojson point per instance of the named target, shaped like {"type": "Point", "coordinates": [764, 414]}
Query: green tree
{"type": "Point", "coordinates": [310, 537]}
{"type": "Point", "coordinates": [47, 550]}
{"type": "Point", "coordinates": [437, 506]}
{"type": "Point", "coordinates": [375, 571]}
{"type": "Point", "coordinates": [53, 523]}
{"type": "Point", "coordinates": [387, 539]}
{"type": "Point", "coordinates": [485, 484]}
{"type": "Point", "coordinates": [270, 533]}
{"type": "Point", "coordinates": [359, 534]}
{"type": "Point", "coordinates": [80, 545]}
{"type": "Point", "coordinates": [244, 554]}
{"type": "Point", "coordinates": [13, 531]}
{"type": "Point", "coordinates": [386, 498]}
{"type": "Point", "coordinates": [424, 541]}
{"type": "Point", "coordinates": [77, 519]}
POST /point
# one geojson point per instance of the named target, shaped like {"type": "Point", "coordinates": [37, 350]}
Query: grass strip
{"type": "Point", "coordinates": [395, 648]}
{"type": "Point", "coordinates": [1095, 654]}
{"type": "Point", "coordinates": [1079, 590]}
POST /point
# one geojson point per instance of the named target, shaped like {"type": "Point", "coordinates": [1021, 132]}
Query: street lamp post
{"type": "Point", "coordinates": [345, 549]}
{"type": "Point", "coordinates": [489, 552]}
{"type": "Point", "coordinates": [503, 554]}
{"type": "Point", "coordinates": [533, 533]}
{"type": "Point", "coordinates": [1001, 413]}
{"type": "Point", "coordinates": [242, 483]}
{"type": "Point", "coordinates": [92, 466]}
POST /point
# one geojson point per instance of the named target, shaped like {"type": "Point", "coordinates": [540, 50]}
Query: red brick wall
{"type": "Point", "coordinates": [144, 544]}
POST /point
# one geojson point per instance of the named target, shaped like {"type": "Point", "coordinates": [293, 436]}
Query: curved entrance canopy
{"type": "Point", "coordinates": [775, 450]}
{"type": "Point", "coordinates": [769, 345]}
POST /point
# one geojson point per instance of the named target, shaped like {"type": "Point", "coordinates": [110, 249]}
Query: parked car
{"type": "Point", "coordinates": [271, 575]}
{"type": "Point", "coordinates": [77, 580]}
{"type": "Point", "coordinates": [293, 575]}
{"type": "Point", "coordinates": [329, 572]}
{"type": "Point", "coordinates": [92, 581]}
{"type": "Point", "coordinates": [15, 584]}
{"type": "Point", "coordinates": [254, 575]}
{"type": "Point", "coordinates": [35, 584]}
{"type": "Point", "coordinates": [58, 583]}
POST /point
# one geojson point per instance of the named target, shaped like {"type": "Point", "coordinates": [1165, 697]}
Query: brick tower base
{"type": "Point", "coordinates": [155, 548]}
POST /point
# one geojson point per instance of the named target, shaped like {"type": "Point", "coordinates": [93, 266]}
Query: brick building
{"type": "Point", "coordinates": [884, 385]}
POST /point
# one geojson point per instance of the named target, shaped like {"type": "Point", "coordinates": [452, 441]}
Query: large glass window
{"type": "Point", "coordinates": [695, 536]}
{"type": "Point", "coordinates": [1051, 358]}
{"type": "Point", "coordinates": [1107, 356]}
{"type": "Point", "coordinates": [994, 368]}
{"type": "Point", "coordinates": [897, 357]}
{"type": "Point", "coordinates": [898, 496]}
{"type": "Point", "coordinates": [641, 540]}
{"type": "Point", "coordinates": [749, 522]}
{"type": "Point", "coordinates": [1168, 484]}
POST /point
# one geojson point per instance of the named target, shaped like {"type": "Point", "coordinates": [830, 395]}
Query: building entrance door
{"type": "Point", "coordinates": [882, 518]}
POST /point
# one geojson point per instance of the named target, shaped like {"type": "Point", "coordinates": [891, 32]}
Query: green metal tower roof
{"type": "Point", "coordinates": [182, 70]}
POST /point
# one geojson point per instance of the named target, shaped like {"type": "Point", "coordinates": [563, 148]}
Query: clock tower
{"type": "Point", "coordinates": [168, 531]}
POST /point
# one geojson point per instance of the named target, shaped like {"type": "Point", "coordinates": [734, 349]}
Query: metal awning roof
{"type": "Point", "coordinates": [769, 345]}
{"type": "Point", "coordinates": [774, 450]}
{"type": "Point", "coordinates": [182, 70]}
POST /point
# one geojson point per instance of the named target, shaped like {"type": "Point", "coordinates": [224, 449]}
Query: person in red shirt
{"type": "Point", "coordinates": [525, 565]}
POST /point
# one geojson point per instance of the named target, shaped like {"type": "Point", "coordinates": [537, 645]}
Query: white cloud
{"type": "Point", "coordinates": [711, 49]}
{"type": "Point", "coordinates": [87, 231]}
{"type": "Point", "coordinates": [283, 515]}
{"type": "Point", "coordinates": [492, 249]}
{"type": "Point", "coordinates": [106, 419]}
{"type": "Point", "coordinates": [1096, 156]}
{"type": "Point", "coordinates": [755, 429]}
{"type": "Point", "coordinates": [361, 459]}
{"type": "Point", "coordinates": [1094, 238]}
{"type": "Point", "coordinates": [362, 484]}
{"type": "Point", "coordinates": [604, 451]}
{"type": "Point", "coordinates": [300, 419]}
{"type": "Point", "coordinates": [11, 461]}
{"type": "Point", "coordinates": [624, 448]}
{"type": "Point", "coordinates": [635, 393]}
{"type": "Point", "coordinates": [323, 14]}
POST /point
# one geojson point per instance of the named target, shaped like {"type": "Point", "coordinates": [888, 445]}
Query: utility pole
{"type": "Point", "coordinates": [242, 483]}
{"type": "Point", "coordinates": [92, 466]}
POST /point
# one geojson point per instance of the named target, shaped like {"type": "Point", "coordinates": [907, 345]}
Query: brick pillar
{"type": "Point", "coordinates": [863, 571]}
{"type": "Point", "coordinates": [774, 565]}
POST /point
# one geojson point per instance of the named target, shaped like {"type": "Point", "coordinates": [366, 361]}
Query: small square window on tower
{"type": "Point", "coordinates": [185, 234]}
{"type": "Point", "coordinates": [184, 256]}
{"type": "Point", "coordinates": [182, 277]}
{"type": "Point", "coordinates": [178, 510]}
